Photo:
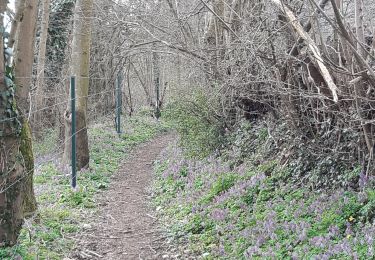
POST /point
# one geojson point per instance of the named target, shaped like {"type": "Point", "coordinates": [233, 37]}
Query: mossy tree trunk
{"type": "Point", "coordinates": [80, 67]}
{"type": "Point", "coordinates": [23, 65]}
{"type": "Point", "coordinates": [16, 158]}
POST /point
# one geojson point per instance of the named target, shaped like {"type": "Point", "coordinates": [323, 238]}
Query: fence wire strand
{"type": "Point", "coordinates": [4, 189]}
{"type": "Point", "coordinates": [51, 106]}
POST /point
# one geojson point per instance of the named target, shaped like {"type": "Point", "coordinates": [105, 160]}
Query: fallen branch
{"type": "Point", "coordinates": [307, 28]}
{"type": "Point", "coordinates": [312, 46]}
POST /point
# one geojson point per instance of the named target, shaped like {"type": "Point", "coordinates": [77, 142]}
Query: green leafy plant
{"type": "Point", "coordinates": [200, 131]}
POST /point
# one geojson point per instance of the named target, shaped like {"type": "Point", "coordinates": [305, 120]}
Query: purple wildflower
{"type": "Point", "coordinates": [219, 214]}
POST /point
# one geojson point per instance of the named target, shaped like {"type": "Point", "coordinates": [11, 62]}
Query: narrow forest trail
{"type": "Point", "coordinates": [124, 226]}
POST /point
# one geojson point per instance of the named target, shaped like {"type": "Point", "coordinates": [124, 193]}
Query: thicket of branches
{"type": "Point", "coordinates": [304, 66]}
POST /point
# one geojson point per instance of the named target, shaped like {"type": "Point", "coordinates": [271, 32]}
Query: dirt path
{"type": "Point", "coordinates": [124, 227]}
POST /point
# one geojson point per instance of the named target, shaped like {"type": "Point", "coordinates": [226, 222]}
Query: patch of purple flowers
{"type": "Point", "coordinates": [263, 228]}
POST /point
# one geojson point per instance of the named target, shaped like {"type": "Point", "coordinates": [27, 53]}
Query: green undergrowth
{"type": "Point", "coordinates": [48, 145]}
{"type": "Point", "coordinates": [226, 210]}
{"type": "Point", "coordinates": [201, 133]}
{"type": "Point", "coordinates": [60, 216]}
{"type": "Point", "coordinates": [258, 190]}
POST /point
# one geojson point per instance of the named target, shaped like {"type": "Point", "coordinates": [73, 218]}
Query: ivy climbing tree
{"type": "Point", "coordinates": [16, 157]}
{"type": "Point", "coordinates": [80, 67]}
{"type": "Point", "coordinates": [10, 164]}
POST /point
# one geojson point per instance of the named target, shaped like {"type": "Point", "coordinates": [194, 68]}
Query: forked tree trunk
{"type": "Point", "coordinates": [80, 66]}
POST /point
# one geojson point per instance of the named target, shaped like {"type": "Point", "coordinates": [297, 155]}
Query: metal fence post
{"type": "Point", "coordinates": [118, 104]}
{"type": "Point", "coordinates": [156, 71]}
{"type": "Point", "coordinates": [73, 110]}
{"type": "Point", "coordinates": [157, 98]}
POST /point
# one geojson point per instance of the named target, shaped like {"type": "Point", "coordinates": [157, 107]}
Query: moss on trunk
{"type": "Point", "coordinates": [11, 188]}
{"type": "Point", "coordinates": [26, 149]}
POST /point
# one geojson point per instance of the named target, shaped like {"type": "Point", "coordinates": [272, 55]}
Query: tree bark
{"type": "Point", "coordinates": [24, 53]}
{"type": "Point", "coordinates": [80, 67]}
{"type": "Point", "coordinates": [23, 65]}
{"type": "Point", "coordinates": [129, 98]}
{"type": "Point", "coordinates": [143, 83]}
{"type": "Point", "coordinates": [40, 90]}
{"type": "Point", "coordinates": [359, 87]}
{"type": "Point", "coordinates": [156, 75]}
{"type": "Point", "coordinates": [359, 27]}
{"type": "Point", "coordinates": [16, 158]}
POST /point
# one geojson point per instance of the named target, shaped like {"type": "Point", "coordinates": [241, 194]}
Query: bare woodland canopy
{"type": "Point", "coordinates": [306, 65]}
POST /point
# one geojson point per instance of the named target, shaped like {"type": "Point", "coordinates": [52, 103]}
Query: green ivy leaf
{"type": "Point", "coordinates": [9, 112]}
{"type": "Point", "coordinates": [9, 72]}
{"type": "Point", "coordinates": [8, 82]}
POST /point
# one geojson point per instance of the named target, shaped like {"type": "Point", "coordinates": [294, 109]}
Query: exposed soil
{"type": "Point", "coordinates": [125, 226]}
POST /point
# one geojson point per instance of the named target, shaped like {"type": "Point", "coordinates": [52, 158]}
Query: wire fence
{"type": "Point", "coordinates": [6, 186]}
{"type": "Point", "coordinates": [53, 157]}
{"type": "Point", "coordinates": [51, 106]}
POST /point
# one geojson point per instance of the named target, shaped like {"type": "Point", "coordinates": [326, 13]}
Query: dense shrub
{"type": "Point", "coordinates": [201, 133]}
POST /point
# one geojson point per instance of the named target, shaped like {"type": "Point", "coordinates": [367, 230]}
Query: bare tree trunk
{"type": "Point", "coordinates": [144, 84]}
{"type": "Point", "coordinates": [79, 66]}
{"type": "Point", "coordinates": [40, 90]}
{"type": "Point", "coordinates": [156, 74]}
{"type": "Point", "coordinates": [359, 87]}
{"type": "Point", "coordinates": [24, 54]}
{"type": "Point", "coordinates": [215, 35]}
{"type": "Point", "coordinates": [359, 27]}
{"type": "Point", "coordinates": [130, 98]}
{"type": "Point", "coordinates": [149, 74]}
{"type": "Point", "coordinates": [23, 64]}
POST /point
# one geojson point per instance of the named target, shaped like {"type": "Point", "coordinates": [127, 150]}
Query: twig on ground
{"type": "Point", "coordinates": [93, 253]}
{"type": "Point", "coordinates": [151, 216]}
